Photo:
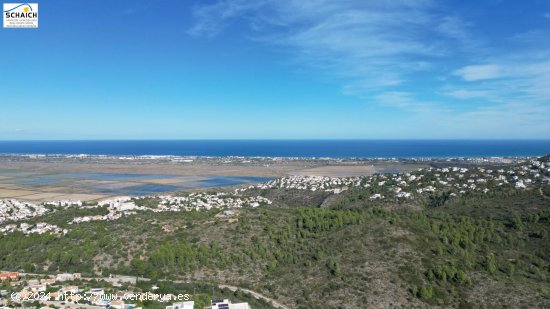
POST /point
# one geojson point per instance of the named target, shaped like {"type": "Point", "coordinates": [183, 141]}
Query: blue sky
{"type": "Point", "coordinates": [418, 69]}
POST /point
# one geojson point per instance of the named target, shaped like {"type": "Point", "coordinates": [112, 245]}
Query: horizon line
{"type": "Point", "coordinates": [276, 139]}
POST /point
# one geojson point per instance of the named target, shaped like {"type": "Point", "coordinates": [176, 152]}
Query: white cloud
{"type": "Point", "coordinates": [407, 101]}
{"type": "Point", "coordinates": [466, 94]}
{"type": "Point", "coordinates": [211, 19]}
{"type": "Point", "coordinates": [479, 72]}
{"type": "Point", "coordinates": [365, 45]}
{"type": "Point", "coordinates": [523, 80]}
{"type": "Point", "coordinates": [460, 31]}
{"type": "Point", "coordinates": [376, 50]}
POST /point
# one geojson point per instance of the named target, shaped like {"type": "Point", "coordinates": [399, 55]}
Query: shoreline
{"type": "Point", "coordinates": [321, 158]}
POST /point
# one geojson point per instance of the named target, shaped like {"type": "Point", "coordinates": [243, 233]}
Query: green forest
{"type": "Point", "coordinates": [456, 252]}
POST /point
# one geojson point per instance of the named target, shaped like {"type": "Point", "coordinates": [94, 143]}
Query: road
{"type": "Point", "coordinates": [132, 280]}
{"type": "Point", "coordinates": [255, 295]}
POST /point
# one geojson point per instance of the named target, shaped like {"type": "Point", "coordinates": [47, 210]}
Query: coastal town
{"type": "Point", "coordinates": [126, 205]}
{"type": "Point", "coordinates": [244, 160]}
{"type": "Point", "coordinates": [424, 182]}
{"type": "Point", "coordinates": [451, 180]}
{"type": "Point", "coordinates": [12, 210]}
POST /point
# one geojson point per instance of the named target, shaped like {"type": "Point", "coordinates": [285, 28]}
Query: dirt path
{"type": "Point", "coordinates": [255, 295]}
{"type": "Point", "coordinates": [542, 194]}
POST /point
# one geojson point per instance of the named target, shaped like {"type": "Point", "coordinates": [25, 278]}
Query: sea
{"type": "Point", "coordinates": [286, 148]}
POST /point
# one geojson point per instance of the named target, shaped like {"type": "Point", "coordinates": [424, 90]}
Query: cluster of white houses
{"type": "Point", "coordinates": [455, 180]}
{"type": "Point", "coordinates": [312, 183]}
{"type": "Point", "coordinates": [125, 205]}
{"type": "Point", "coordinates": [14, 210]}
{"type": "Point", "coordinates": [208, 201]}
{"type": "Point", "coordinates": [38, 228]}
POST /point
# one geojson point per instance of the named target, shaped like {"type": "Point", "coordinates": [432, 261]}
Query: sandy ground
{"type": "Point", "coordinates": [17, 178]}
{"type": "Point", "coordinates": [148, 168]}
{"type": "Point", "coordinates": [24, 179]}
{"type": "Point", "coordinates": [7, 193]}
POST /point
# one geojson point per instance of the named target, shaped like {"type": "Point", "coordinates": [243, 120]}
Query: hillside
{"type": "Point", "coordinates": [310, 249]}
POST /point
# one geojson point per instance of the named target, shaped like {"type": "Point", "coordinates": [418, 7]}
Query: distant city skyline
{"type": "Point", "coordinates": [271, 69]}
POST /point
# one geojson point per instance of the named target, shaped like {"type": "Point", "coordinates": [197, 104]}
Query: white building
{"type": "Point", "coordinates": [97, 291]}
{"type": "Point", "coordinates": [226, 304]}
{"type": "Point", "coordinates": [64, 277]}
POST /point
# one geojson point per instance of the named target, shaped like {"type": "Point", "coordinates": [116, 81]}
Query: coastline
{"type": "Point", "coordinates": [343, 149]}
